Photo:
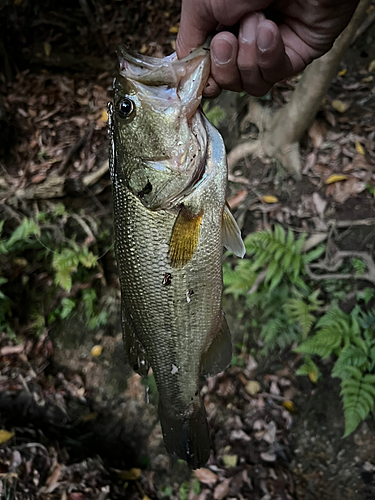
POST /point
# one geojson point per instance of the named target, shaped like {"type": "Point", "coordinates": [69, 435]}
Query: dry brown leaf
{"type": "Point", "coordinates": [339, 106]}
{"type": "Point", "coordinates": [11, 349]}
{"type": "Point", "coordinates": [55, 476]}
{"type": "Point", "coordinates": [371, 66]}
{"type": "Point", "coordinates": [238, 198]}
{"type": "Point", "coordinates": [268, 457]}
{"type": "Point", "coordinates": [206, 476]}
{"type": "Point", "coordinates": [317, 133]}
{"type": "Point", "coordinates": [174, 29]}
{"type": "Point", "coordinates": [342, 72]}
{"type": "Point", "coordinates": [222, 489]}
{"type": "Point", "coordinates": [143, 49]}
{"type": "Point", "coordinates": [320, 204]}
{"type": "Point", "coordinates": [343, 191]}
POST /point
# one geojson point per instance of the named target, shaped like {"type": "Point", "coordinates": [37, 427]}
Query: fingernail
{"type": "Point", "coordinates": [223, 52]}
{"type": "Point", "coordinates": [265, 36]}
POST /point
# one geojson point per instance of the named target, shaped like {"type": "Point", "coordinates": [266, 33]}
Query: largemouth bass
{"type": "Point", "coordinates": [169, 174]}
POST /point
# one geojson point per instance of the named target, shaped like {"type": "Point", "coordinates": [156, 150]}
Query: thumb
{"type": "Point", "coordinates": [197, 21]}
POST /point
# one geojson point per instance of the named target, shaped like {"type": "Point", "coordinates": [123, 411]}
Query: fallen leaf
{"type": "Point", "coordinates": [238, 198]}
{"type": "Point", "coordinates": [143, 49]}
{"type": "Point", "coordinates": [317, 131]}
{"type": "Point", "coordinates": [253, 387]}
{"type": "Point", "coordinates": [342, 72]}
{"type": "Point", "coordinates": [206, 476]}
{"type": "Point", "coordinates": [129, 475]}
{"type": "Point", "coordinates": [47, 48]}
{"type": "Point", "coordinates": [104, 116]}
{"type": "Point", "coordinates": [339, 106]}
{"type": "Point", "coordinates": [230, 460]}
{"type": "Point", "coordinates": [174, 29]}
{"type": "Point", "coordinates": [239, 435]}
{"type": "Point", "coordinates": [367, 79]}
{"type": "Point", "coordinates": [90, 417]}
{"type": "Point", "coordinates": [269, 198]}
{"type": "Point", "coordinates": [359, 148]}
{"type": "Point", "coordinates": [222, 489]}
{"type": "Point", "coordinates": [336, 178]}
{"type": "Point", "coordinates": [319, 203]}
{"type": "Point", "coordinates": [55, 476]}
{"type": "Point", "coordinates": [371, 66]}
{"type": "Point", "coordinates": [268, 457]}
{"type": "Point", "coordinates": [343, 191]}
{"type": "Point", "coordinates": [145, 497]}
{"type": "Point", "coordinates": [173, 45]}
{"type": "Point", "coordinates": [36, 179]}
{"type": "Point", "coordinates": [11, 349]}
{"type": "Point", "coordinates": [5, 436]}
{"type": "Point", "coordinates": [96, 350]}
{"type": "Point", "coordinates": [313, 376]}
{"type": "Point", "coordinates": [290, 406]}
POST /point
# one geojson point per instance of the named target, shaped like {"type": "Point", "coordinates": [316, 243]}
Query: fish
{"type": "Point", "coordinates": [169, 175]}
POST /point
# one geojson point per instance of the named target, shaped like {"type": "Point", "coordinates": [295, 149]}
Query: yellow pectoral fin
{"type": "Point", "coordinates": [185, 237]}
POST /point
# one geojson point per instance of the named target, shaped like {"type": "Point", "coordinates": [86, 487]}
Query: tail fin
{"type": "Point", "coordinates": [187, 436]}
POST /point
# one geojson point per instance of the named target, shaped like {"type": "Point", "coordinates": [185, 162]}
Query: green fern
{"type": "Point", "coordinates": [358, 394]}
{"type": "Point", "coordinates": [300, 311]}
{"type": "Point", "coordinates": [309, 368]}
{"type": "Point", "coordinates": [66, 263]}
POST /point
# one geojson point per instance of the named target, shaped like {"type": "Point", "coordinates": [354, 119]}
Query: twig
{"type": "Point", "coordinates": [259, 280]}
{"type": "Point", "coordinates": [81, 142]}
{"type": "Point", "coordinates": [90, 237]}
{"type": "Point", "coordinates": [92, 178]}
{"type": "Point", "coordinates": [349, 223]}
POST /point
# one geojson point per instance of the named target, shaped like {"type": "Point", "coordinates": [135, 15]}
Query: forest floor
{"type": "Point", "coordinates": [76, 422]}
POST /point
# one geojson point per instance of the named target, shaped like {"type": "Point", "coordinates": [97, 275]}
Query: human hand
{"type": "Point", "coordinates": [265, 51]}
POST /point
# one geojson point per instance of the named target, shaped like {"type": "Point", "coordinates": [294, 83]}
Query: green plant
{"type": "Point", "coordinates": [286, 305]}
{"type": "Point", "coordinates": [216, 115]}
{"type": "Point", "coordinates": [40, 245]}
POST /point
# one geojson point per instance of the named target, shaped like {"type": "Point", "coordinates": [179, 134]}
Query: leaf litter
{"type": "Point", "coordinates": [60, 129]}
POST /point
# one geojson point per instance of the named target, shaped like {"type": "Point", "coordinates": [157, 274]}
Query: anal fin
{"type": "Point", "coordinates": [185, 237]}
{"type": "Point", "coordinates": [135, 352]}
{"type": "Point", "coordinates": [232, 239]}
{"type": "Point", "coordinates": [219, 354]}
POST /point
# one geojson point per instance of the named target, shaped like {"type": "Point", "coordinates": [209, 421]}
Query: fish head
{"type": "Point", "coordinates": [159, 134]}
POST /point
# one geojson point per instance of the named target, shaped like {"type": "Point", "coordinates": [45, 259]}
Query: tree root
{"type": "Point", "coordinates": [336, 263]}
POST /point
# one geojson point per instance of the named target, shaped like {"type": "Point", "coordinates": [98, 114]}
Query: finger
{"type": "Point", "coordinates": [273, 62]}
{"type": "Point", "coordinates": [251, 76]}
{"type": "Point", "coordinates": [212, 89]}
{"type": "Point", "coordinates": [200, 17]}
{"type": "Point", "coordinates": [195, 25]}
{"type": "Point", "coordinates": [224, 47]}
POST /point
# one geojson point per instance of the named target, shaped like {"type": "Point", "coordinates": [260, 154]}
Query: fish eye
{"type": "Point", "coordinates": [125, 107]}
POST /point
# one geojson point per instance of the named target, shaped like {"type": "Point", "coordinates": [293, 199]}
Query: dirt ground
{"type": "Point", "coordinates": [84, 426]}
